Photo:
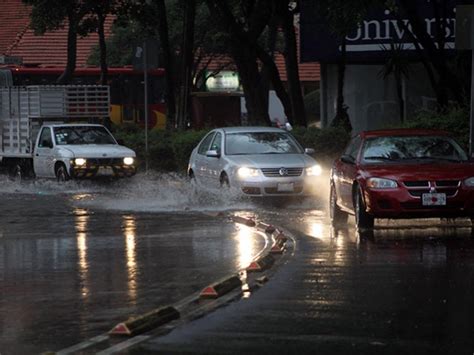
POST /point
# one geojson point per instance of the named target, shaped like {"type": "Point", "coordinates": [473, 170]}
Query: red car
{"type": "Point", "coordinates": [401, 173]}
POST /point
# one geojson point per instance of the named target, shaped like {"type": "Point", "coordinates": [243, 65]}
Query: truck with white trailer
{"type": "Point", "coordinates": [57, 131]}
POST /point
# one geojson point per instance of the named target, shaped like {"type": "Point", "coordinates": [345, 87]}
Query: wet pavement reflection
{"type": "Point", "coordinates": [71, 268]}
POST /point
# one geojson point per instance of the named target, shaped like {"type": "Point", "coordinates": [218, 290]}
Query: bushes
{"type": "Point", "coordinates": [168, 150]}
{"type": "Point", "coordinates": [456, 121]}
{"type": "Point", "coordinates": [328, 143]}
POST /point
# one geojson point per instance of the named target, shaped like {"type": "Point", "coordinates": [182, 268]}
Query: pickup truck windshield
{"type": "Point", "coordinates": [82, 135]}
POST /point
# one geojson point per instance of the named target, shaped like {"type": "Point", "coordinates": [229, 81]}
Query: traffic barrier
{"type": "Point", "coordinates": [143, 323]}
{"type": "Point", "coordinates": [242, 220]}
{"type": "Point", "coordinates": [278, 246]}
{"type": "Point", "coordinates": [261, 264]}
{"type": "Point", "coordinates": [221, 287]}
{"type": "Point", "coordinates": [264, 227]}
{"type": "Point", "coordinates": [279, 235]}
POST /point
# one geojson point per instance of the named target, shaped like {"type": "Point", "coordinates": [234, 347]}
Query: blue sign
{"type": "Point", "coordinates": [370, 41]}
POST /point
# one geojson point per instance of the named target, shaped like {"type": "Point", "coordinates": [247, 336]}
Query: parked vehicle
{"type": "Point", "coordinates": [403, 173]}
{"type": "Point", "coordinates": [258, 161]}
{"type": "Point", "coordinates": [38, 138]}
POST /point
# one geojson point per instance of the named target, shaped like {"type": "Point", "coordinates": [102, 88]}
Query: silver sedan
{"type": "Point", "coordinates": [256, 160]}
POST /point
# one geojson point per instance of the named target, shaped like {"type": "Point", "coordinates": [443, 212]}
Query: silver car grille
{"type": "Point", "coordinates": [282, 172]}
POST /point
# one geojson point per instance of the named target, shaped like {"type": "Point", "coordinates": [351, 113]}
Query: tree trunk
{"type": "Point", "coordinates": [447, 78]}
{"type": "Point", "coordinates": [274, 75]}
{"type": "Point", "coordinates": [167, 64]}
{"type": "Point", "coordinates": [103, 49]}
{"type": "Point", "coordinates": [66, 76]}
{"type": "Point", "coordinates": [342, 118]}
{"type": "Point", "coordinates": [291, 64]}
{"type": "Point", "coordinates": [252, 85]}
{"type": "Point", "coordinates": [186, 63]}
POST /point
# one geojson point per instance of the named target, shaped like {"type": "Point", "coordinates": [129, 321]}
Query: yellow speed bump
{"type": "Point", "coordinates": [145, 322]}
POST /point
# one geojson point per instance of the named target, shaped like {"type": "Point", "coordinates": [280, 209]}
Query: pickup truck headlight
{"type": "Point", "coordinates": [314, 170]}
{"type": "Point", "coordinates": [80, 161]}
{"type": "Point", "coordinates": [245, 172]}
{"type": "Point", "coordinates": [379, 183]}
{"type": "Point", "coordinates": [128, 160]}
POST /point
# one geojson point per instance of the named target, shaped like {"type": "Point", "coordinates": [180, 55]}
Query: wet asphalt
{"type": "Point", "coordinates": [403, 290]}
{"type": "Point", "coordinates": [75, 261]}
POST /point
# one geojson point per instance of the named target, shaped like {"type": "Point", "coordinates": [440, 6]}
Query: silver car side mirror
{"type": "Point", "coordinates": [213, 154]}
{"type": "Point", "coordinates": [309, 151]}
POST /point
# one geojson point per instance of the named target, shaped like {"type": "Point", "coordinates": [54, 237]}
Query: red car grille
{"type": "Point", "coordinates": [417, 188]}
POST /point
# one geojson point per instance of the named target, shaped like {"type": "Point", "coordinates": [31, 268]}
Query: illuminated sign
{"type": "Point", "coordinates": [223, 81]}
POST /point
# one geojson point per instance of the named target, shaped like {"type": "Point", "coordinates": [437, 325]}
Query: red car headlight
{"type": "Point", "coordinates": [380, 183]}
{"type": "Point", "coordinates": [469, 182]}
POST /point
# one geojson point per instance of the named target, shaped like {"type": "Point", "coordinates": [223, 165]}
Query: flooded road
{"type": "Point", "coordinates": [77, 258]}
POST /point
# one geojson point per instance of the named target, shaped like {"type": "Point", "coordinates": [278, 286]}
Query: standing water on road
{"type": "Point", "coordinates": [76, 258]}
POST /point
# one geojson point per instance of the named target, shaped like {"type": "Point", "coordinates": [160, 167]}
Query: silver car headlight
{"type": "Point", "coordinates": [314, 170]}
{"type": "Point", "coordinates": [80, 161]}
{"type": "Point", "coordinates": [469, 182]}
{"type": "Point", "coordinates": [380, 183]}
{"type": "Point", "coordinates": [128, 160]}
{"type": "Point", "coordinates": [245, 172]}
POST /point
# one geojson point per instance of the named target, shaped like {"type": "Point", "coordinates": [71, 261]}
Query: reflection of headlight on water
{"type": "Point", "coordinates": [245, 172]}
{"type": "Point", "coordinates": [314, 170]}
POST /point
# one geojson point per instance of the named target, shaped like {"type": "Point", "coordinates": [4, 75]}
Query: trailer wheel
{"type": "Point", "coordinates": [17, 173]}
{"type": "Point", "coordinates": [61, 173]}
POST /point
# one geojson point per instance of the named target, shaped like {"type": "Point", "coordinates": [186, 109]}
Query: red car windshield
{"type": "Point", "coordinates": [396, 148]}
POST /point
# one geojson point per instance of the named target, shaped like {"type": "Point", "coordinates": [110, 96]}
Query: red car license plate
{"type": "Point", "coordinates": [434, 199]}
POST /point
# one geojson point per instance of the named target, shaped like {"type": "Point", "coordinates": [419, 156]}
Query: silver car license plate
{"type": "Point", "coordinates": [434, 199]}
{"type": "Point", "coordinates": [285, 187]}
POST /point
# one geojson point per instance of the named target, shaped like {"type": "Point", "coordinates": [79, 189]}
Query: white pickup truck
{"type": "Point", "coordinates": [46, 132]}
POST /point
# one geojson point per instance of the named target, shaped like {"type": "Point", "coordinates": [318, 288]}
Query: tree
{"type": "Point", "coordinates": [398, 66]}
{"type": "Point", "coordinates": [286, 16]}
{"type": "Point", "coordinates": [94, 21]}
{"type": "Point", "coordinates": [50, 15]}
{"type": "Point", "coordinates": [431, 48]}
{"type": "Point", "coordinates": [243, 30]}
{"type": "Point", "coordinates": [343, 17]}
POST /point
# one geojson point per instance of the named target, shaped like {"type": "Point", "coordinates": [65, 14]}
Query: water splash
{"type": "Point", "coordinates": [151, 192]}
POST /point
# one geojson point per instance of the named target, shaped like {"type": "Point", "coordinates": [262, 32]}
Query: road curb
{"type": "Point", "coordinates": [221, 287]}
{"type": "Point", "coordinates": [249, 222]}
{"type": "Point", "coordinates": [261, 264]}
{"type": "Point", "coordinates": [145, 322]}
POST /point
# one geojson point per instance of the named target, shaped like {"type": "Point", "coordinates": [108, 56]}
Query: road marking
{"type": "Point", "coordinates": [124, 345]}
{"type": "Point", "coordinates": [83, 345]}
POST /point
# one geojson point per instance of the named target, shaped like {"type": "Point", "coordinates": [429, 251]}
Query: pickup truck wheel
{"type": "Point", "coordinates": [17, 173]}
{"type": "Point", "coordinates": [61, 174]}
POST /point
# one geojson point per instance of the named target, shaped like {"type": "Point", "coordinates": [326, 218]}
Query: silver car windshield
{"type": "Point", "coordinates": [82, 135]}
{"type": "Point", "coordinates": [247, 143]}
{"type": "Point", "coordinates": [415, 148]}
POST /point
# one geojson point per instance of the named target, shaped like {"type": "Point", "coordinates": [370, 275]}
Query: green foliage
{"type": "Point", "coordinates": [120, 46]}
{"type": "Point", "coordinates": [328, 143]}
{"type": "Point", "coordinates": [168, 150]}
{"type": "Point", "coordinates": [455, 120]}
